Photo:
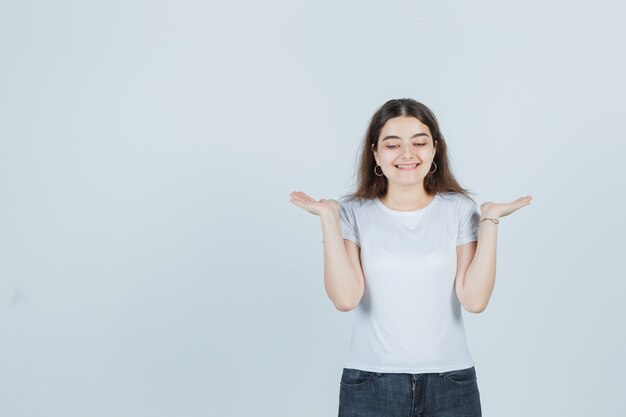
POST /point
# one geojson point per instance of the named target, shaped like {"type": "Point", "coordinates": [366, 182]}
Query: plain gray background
{"type": "Point", "coordinates": [151, 263]}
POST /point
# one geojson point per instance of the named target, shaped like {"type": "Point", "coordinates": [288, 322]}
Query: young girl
{"type": "Point", "coordinates": [407, 250]}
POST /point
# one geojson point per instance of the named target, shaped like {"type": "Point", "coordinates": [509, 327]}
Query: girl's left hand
{"type": "Point", "coordinates": [498, 210]}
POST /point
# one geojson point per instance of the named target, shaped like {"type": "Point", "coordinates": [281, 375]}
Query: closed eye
{"type": "Point", "coordinates": [395, 146]}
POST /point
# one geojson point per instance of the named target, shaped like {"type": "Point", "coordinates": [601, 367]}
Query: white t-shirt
{"type": "Point", "coordinates": [409, 319]}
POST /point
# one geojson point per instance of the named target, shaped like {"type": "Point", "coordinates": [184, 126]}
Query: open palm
{"type": "Point", "coordinates": [313, 206]}
{"type": "Point", "coordinates": [498, 210]}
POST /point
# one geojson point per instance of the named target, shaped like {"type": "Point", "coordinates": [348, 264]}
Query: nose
{"type": "Point", "coordinates": [408, 152]}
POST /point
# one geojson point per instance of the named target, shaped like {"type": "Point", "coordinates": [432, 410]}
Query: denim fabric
{"type": "Point", "coordinates": [442, 394]}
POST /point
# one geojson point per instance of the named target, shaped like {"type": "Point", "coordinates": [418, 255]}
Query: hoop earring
{"type": "Point", "coordinates": [381, 170]}
{"type": "Point", "coordinates": [435, 168]}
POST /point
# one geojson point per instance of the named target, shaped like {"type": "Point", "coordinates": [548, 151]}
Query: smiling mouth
{"type": "Point", "coordinates": [406, 167]}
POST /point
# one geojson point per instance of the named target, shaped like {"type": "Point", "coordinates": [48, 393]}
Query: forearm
{"type": "Point", "coordinates": [340, 279]}
{"type": "Point", "coordinates": [481, 274]}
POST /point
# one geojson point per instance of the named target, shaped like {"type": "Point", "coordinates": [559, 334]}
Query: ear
{"type": "Point", "coordinates": [375, 154]}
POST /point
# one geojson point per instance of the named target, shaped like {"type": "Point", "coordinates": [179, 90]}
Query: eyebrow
{"type": "Point", "coordinates": [398, 137]}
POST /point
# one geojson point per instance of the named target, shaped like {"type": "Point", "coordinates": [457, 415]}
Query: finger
{"type": "Point", "coordinates": [302, 202]}
{"type": "Point", "coordinates": [522, 201]}
{"type": "Point", "coordinates": [305, 196]}
{"type": "Point", "coordinates": [519, 203]}
{"type": "Point", "coordinates": [299, 202]}
{"type": "Point", "coordinates": [299, 194]}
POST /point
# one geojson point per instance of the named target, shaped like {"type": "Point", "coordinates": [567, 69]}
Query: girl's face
{"type": "Point", "coordinates": [405, 141]}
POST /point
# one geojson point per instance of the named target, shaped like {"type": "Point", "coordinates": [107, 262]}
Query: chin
{"type": "Point", "coordinates": [409, 182]}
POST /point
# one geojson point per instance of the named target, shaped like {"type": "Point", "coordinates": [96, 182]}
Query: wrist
{"type": "Point", "coordinates": [489, 213]}
{"type": "Point", "coordinates": [329, 214]}
{"type": "Point", "coordinates": [487, 219]}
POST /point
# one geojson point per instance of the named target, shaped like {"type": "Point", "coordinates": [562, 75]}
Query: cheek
{"type": "Point", "coordinates": [427, 153]}
{"type": "Point", "coordinates": [388, 158]}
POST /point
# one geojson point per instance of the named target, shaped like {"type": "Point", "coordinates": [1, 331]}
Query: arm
{"type": "Point", "coordinates": [475, 286]}
{"type": "Point", "coordinates": [343, 280]}
{"type": "Point", "coordinates": [478, 259]}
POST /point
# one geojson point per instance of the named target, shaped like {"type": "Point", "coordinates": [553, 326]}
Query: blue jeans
{"type": "Point", "coordinates": [442, 394]}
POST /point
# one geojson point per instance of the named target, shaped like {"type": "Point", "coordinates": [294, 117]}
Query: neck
{"type": "Point", "coordinates": [407, 198]}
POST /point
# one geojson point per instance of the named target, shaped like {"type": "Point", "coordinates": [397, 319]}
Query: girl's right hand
{"type": "Point", "coordinates": [302, 200]}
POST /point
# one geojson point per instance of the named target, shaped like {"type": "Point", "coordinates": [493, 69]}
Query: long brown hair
{"type": "Point", "coordinates": [370, 185]}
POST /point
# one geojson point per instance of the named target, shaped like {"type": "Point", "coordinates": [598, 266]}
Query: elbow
{"type": "Point", "coordinates": [345, 307]}
{"type": "Point", "coordinates": [475, 308]}
{"type": "Point", "coordinates": [474, 304]}
{"type": "Point", "coordinates": [343, 304]}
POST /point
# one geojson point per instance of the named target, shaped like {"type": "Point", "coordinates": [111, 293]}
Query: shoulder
{"type": "Point", "coordinates": [458, 200]}
{"type": "Point", "coordinates": [352, 202]}
{"type": "Point", "coordinates": [456, 197]}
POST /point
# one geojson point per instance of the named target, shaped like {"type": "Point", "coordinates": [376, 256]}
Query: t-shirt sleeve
{"type": "Point", "coordinates": [468, 224]}
{"type": "Point", "coordinates": [348, 222]}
